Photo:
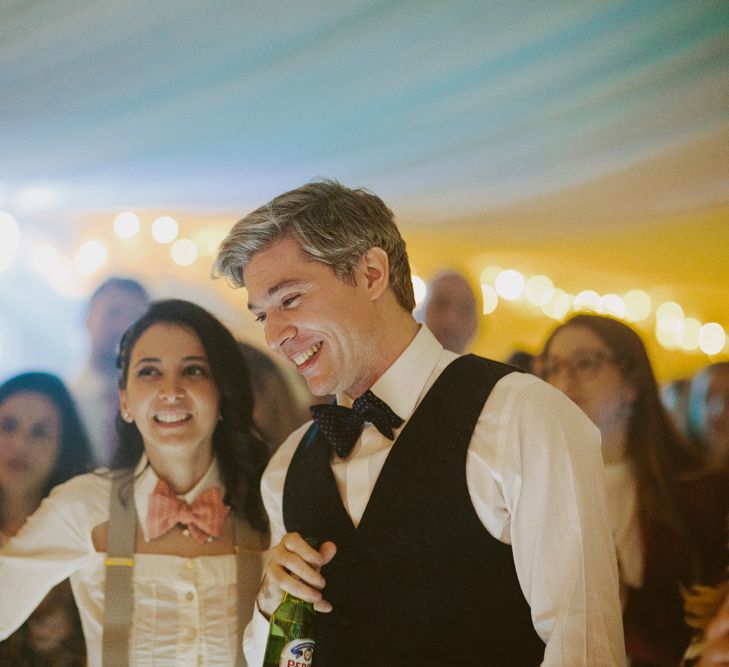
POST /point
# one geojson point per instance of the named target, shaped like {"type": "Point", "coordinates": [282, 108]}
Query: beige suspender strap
{"type": "Point", "coordinates": [119, 596]}
{"type": "Point", "coordinates": [249, 545]}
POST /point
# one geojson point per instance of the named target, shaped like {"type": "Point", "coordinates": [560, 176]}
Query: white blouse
{"type": "Point", "coordinates": [185, 609]}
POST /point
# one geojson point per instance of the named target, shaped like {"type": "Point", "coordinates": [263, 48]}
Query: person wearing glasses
{"type": "Point", "coordinates": [668, 512]}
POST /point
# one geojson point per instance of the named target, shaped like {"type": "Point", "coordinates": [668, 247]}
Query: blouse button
{"type": "Point", "coordinates": [191, 635]}
{"type": "Point", "coordinates": [190, 596]}
{"type": "Point", "coordinates": [189, 564]}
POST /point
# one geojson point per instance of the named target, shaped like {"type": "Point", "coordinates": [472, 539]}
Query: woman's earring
{"type": "Point", "coordinates": [127, 417]}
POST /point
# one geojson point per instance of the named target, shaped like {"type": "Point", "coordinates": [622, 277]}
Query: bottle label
{"type": "Point", "coordinates": [297, 653]}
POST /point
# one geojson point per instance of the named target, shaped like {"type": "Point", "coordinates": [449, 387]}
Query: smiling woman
{"type": "Point", "coordinates": [188, 466]}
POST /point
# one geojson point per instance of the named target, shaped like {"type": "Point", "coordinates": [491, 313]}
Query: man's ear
{"type": "Point", "coordinates": [375, 270]}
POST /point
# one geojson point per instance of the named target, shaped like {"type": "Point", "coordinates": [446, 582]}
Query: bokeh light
{"type": "Point", "coordinates": [490, 299]}
{"type": "Point", "coordinates": [509, 284]}
{"type": "Point", "coordinates": [183, 252]}
{"type": "Point", "coordinates": [612, 304]}
{"type": "Point", "coordinates": [419, 288]}
{"type": "Point", "coordinates": [91, 256]}
{"type": "Point", "coordinates": [165, 229]}
{"type": "Point", "coordinates": [637, 305]}
{"type": "Point", "coordinates": [539, 290]}
{"type": "Point", "coordinates": [669, 317]}
{"type": "Point", "coordinates": [586, 300]}
{"type": "Point", "coordinates": [712, 338]}
{"type": "Point", "coordinates": [126, 225]}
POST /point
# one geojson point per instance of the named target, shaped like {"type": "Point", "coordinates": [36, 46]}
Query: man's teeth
{"type": "Point", "coordinates": [304, 356]}
{"type": "Point", "coordinates": [171, 417]}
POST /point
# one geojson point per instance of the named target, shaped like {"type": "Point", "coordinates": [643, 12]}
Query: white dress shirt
{"type": "Point", "coordinates": [185, 609]}
{"type": "Point", "coordinates": [535, 476]}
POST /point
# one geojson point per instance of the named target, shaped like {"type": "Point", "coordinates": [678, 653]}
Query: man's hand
{"type": "Point", "coordinates": [293, 567]}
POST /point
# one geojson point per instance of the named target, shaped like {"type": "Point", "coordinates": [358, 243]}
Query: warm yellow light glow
{"type": "Point", "coordinates": [490, 299]}
{"type": "Point", "coordinates": [91, 256]}
{"type": "Point", "coordinates": [690, 335]}
{"type": "Point", "coordinates": [712, 338]}
{"type": "Point", "coordinates": [165, 229]}
{"type": "Point", "coordinates": [670, 340]}
{"type": "Point", "coordinates": [9, 240]}
{"type": "Point", "coordinates": [44, 259]}
{"type": "Point", "coordinates": [612, 304]}
{"type": "Point", "coordinates": [419, 288]}
{"type": "Point", "coordinates": [489, 274]}
{"type": "Point", "coordinates": [586, 300]}
{"type": "Point", "coordinates": [509, 284]}
{"type": "Point", "coordinates": [183, 252]}
{"type": "Point", "coordinates": [559, 305]}
{"type": "Point", "coordinates": [669, 317]}
{"type": "Point", "coordinates": [637, 305]}
{"type": "Point", "coordinates": [126, 225]}
{"type": "Point", "coordinates": [539, 290]}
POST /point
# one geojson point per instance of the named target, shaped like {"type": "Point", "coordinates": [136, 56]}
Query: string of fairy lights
{"type": "Point", "coordinates": [673, 330]}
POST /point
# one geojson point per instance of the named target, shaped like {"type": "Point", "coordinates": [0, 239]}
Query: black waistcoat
{"type": "Point", "coordinates": [420, 581]}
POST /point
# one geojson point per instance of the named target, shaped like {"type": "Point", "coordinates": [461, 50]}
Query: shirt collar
{"type": "Point", "coordinates": [403, 383]}
{"type": "Point", "coordinates": [146, 481]}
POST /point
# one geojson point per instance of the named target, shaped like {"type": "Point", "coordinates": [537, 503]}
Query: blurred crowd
{"type": "Point", "coordinates": [665, 450]}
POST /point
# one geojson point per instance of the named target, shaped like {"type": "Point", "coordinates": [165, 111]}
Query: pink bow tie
{"type": "Point", "coordinates": [204, 517]}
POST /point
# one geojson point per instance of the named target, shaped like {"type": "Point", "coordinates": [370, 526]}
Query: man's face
{"type": "Point", "coordinates": [321, 324]}
{"type": "Point", "coordinates": [451, 312]}
{"type": "Point", "coordinates": [111, 314]}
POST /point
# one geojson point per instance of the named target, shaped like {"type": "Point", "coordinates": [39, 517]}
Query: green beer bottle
{"type": "Point", "coordinates": [291, 631]}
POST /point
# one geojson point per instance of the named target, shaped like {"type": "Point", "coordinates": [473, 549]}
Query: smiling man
{"type": "Point", "coordinates": [459, 504]}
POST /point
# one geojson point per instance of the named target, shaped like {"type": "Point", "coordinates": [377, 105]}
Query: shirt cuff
{"type": "Point", "coordinates": [255, 638]}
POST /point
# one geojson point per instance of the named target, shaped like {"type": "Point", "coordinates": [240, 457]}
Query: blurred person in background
{"type": "Point", "coordinates": [187, 471]}
{"type": "Point", "coordinates": [277, 409]}
{"type": "Point", "coordinates": [42, 444]}
{"type": "Point", "coordinates": [675, 398]}
{"type": "Point", "coordinates": [521, 359]}
{"type": "Point", "coordinates": [450, 311]}
{"type": "Point", "coordinates": [668, 512]}
{"type": "Point", "coordinates": [709, 413]}
{"type": "Point", "coordinates": [113, 306]}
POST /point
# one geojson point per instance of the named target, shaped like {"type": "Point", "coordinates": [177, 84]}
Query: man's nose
{"type": "Point", "coordinates": [278, 331]}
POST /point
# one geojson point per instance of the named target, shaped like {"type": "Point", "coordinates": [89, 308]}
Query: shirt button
{"type": "Point", "coordinates": [191, 635]}
{"type": "Point", "coordinates": [190, 596]}
{"type": "Point", "coordinates": [189, 564]}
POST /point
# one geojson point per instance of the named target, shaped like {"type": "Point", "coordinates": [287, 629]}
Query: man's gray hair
{"type": "Point", "coordinates": [331, 223]}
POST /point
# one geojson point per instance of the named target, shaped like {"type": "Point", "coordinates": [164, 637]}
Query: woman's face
{"type": "Point", "coordinates": [30, 439]}
{"type": "Point", "coordinates": [170, 394]}
{"type": "Point", "coordinates": [580, 364]}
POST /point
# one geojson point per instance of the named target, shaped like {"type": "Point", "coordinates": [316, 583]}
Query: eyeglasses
{"type": "Point", "coordinates": [583, 366]}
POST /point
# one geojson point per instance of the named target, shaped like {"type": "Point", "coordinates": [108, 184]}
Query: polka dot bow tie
{"type": "Point", "coordinates": [204, 517]}
{"type": "Point", "coordinates": [342, 426]}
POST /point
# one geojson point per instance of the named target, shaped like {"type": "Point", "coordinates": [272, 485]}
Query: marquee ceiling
{"type": "Point", "coordinates": [587, 139]}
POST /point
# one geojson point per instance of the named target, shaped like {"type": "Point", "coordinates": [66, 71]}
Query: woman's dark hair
{"type": "Point", "coordinates": [660, 454]}
{"type": "Point", "coordinates": [74, 454]}
{"type": "Point", "coordinates": [241, 454]}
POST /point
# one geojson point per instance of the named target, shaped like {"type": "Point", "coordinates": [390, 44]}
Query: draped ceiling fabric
{"type": "Point", "coordinates": [587, 140]}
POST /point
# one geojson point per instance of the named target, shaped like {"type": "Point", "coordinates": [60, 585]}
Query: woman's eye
{"type": "Point", "coordinates": [39, 432]}
{"type": "Point", "coordinates": [146, 371]}
{"type": "Point", "coordinates": [8, 425]}
{"type": "Point", "coordinates": [198, 371]}
{"type": "Point", "coordinates": [585, 364]}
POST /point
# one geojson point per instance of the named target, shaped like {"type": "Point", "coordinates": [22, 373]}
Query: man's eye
{"type": "Point", "coordinates": [289, 300]}
{"type": "Point", "coordinates": [585, 364]}
{"type": "Point", "coordinates": [261, 317]}
{"type": "Point", "coordinates": [8, 425]}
